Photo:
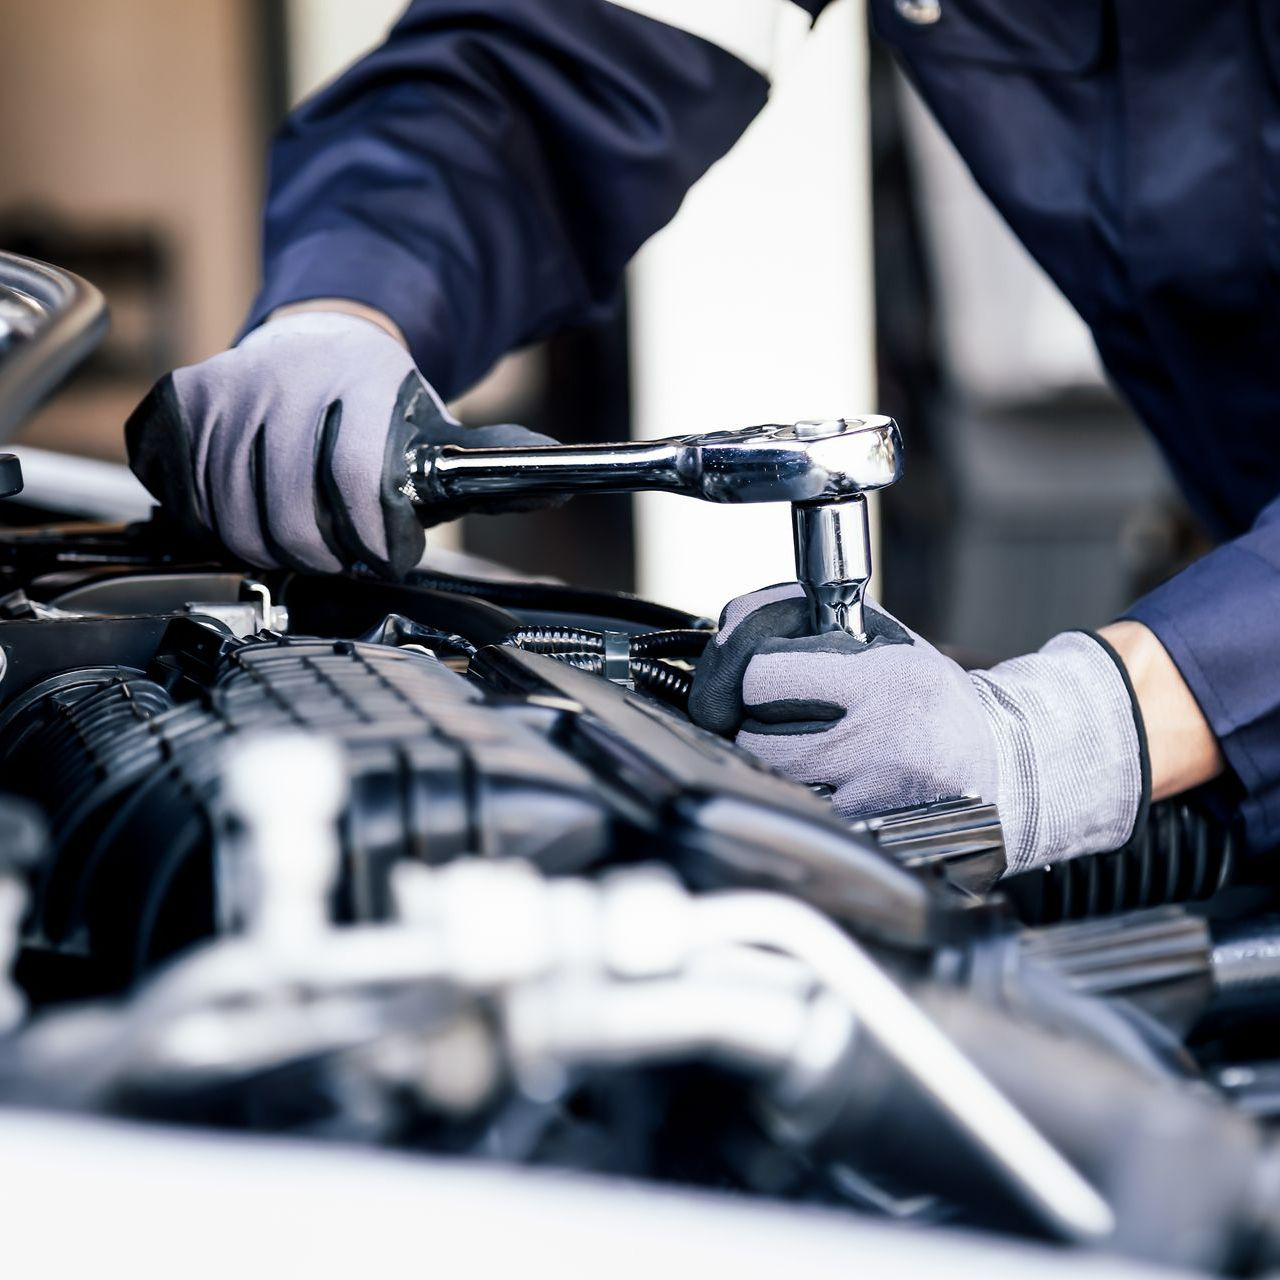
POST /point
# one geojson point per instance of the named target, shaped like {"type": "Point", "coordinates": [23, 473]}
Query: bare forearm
{"type": "Point", "coordinates": [1184, 753]}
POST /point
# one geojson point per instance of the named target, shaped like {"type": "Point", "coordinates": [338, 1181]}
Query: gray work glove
{"type": "Point", "coordinates": [1054, 738]}
{"type": "Point", "coordinates": [290, 448]}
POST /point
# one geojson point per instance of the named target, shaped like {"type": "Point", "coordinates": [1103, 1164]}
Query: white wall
{"type": "Point", "coordinates": [755, 305]}
{"type": "Point", "coordinates": [326, 36]}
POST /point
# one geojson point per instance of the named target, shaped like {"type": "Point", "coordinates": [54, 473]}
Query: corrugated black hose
{"type": "Point", "coordinates": [585, 649]}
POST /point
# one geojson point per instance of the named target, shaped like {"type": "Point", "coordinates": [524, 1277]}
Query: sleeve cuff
{"type": "Point", "coordinates": [371, 270]}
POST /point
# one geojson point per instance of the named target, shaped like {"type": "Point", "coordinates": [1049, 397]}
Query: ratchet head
{"type": "Point", "coordinates": [814, 461]}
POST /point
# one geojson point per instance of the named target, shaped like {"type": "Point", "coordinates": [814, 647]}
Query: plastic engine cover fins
{"type": "Point", "coordinates": [128, 776]}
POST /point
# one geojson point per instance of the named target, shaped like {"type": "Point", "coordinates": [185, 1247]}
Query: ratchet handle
{"type": "Point", "coordinates": [440, 473]}
{"type": "Point", "coordinates": [820, 461]}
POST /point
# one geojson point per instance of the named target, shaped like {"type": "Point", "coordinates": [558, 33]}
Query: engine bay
{"type": "Point", "coordinates": [443, 867]}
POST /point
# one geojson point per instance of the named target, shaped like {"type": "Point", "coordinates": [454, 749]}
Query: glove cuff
{"type": "Point", "coordinates": [318, 323]}
{"type": "Point", "coordinates": [1140, 727]}
{"type": "Point", "coordinates": [1070, 749]}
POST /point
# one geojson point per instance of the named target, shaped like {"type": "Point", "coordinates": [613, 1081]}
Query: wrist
{"type": "Point", "coordinates": [341, 306]}
{"type": "Point", "coordinates": [1184, 752]}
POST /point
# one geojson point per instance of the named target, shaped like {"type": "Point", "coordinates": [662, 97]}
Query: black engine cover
{"type": "Point", "coordinates": [126, 767]}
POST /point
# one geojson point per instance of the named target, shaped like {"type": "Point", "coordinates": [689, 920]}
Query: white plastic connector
{"type": "Point", "coordinates": [284, 793]}
{"type": "Point", "coordinates": [648, 924]}
{"type": "Point", "coordinates": [13, 904]}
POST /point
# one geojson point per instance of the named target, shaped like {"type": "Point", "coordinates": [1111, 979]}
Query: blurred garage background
{"type": "Point", "coordinates": [839, 261]}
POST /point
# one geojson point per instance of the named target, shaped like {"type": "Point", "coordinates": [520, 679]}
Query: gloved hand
{"type": "Point", "coordinates": [1055, 739]}
{"type": "Point", "coordinates": [290, 448]}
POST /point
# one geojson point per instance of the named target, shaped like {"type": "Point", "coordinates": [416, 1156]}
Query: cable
{"type": "Point", "coordinates": [555, 641]}
{"type": "Point", "coordinates": [651, 675]}
{"type": "Point", "coordinates": [584, 649]}
{"type": "Point", "coordinates": [682, 642]}
{"type": "Point", "coordinates": [556, 598]}
{"type": "Point", "coordinates": [667, 683]}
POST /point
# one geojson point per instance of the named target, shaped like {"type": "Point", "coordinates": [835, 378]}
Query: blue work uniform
{"type": "Point", "coordinates": [485, 176]}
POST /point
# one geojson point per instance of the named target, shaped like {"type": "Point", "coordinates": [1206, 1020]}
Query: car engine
{"type": "Point", "coordinates": [443, 867]}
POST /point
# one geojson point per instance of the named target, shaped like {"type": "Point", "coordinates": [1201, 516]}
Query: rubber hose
{"type": "Point", "coordinates": [684, 642]}
{"type": "Point", "coordinates": [1183, 855]}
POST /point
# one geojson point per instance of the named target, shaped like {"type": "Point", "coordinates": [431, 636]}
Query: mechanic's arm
{"type": "Point", "coordinates": [1071, 742]}
{"type": "Point", "coordinates": [479, 181]}
{"type": "Point", "coordinates": [1219, 623]}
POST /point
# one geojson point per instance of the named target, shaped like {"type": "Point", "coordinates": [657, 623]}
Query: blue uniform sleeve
{"type": "Point", "coordinates": [486, 174]}
{"type": "Point", "coordinates": [1220, 622]}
